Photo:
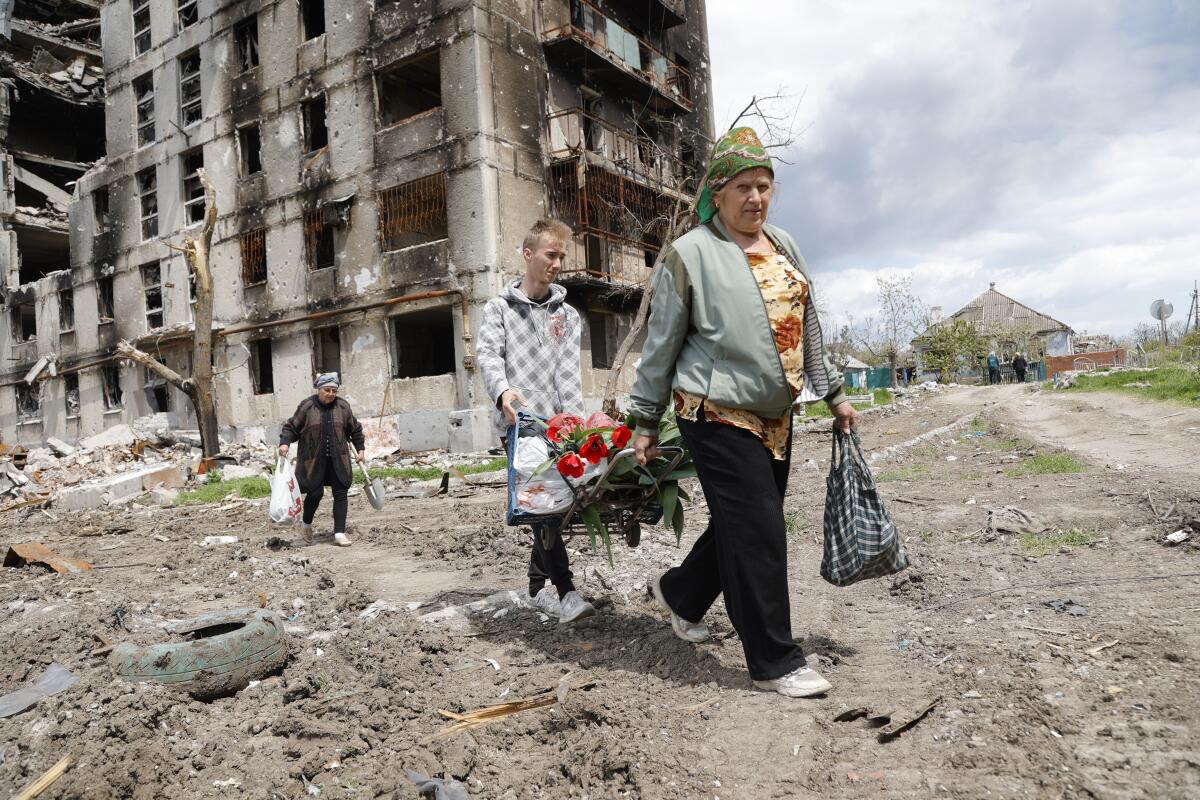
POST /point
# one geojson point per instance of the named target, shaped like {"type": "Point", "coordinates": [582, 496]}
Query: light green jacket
{"type": "Point", "coordinates": [709, 335]}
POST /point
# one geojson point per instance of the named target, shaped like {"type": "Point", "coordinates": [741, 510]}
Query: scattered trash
{"type": "Point", "coordinates": [228, 783]}
{"type": "Point", "coordinates": [1095, 651]}
{"type": "Point", "coordinates": [856, 777]}
{"type": "Point", "coordinates": [903, 645]}
{"type": "Point", "coordinates": [1067, 606]}
{"type": "Point", "coordinates": [437, 788]}
{"type": "Point", "coordinates": [1179, 537]}
{"type": "Point", "coordinates": [952, 458]}
{"type": "Point", "coordinates": [56, 678]}
{"type": "Point", "coordinates": [31, 553]}
{"type": "Point", "coordinates": [892, 724]}
{"type": "Point", "coordinates": [480, 717]}
{"type": "Point", "coordinates": [1010, 519]}
{"type": "Point", "coordinates": [375, 609]}
{"type": "Point", "coordinates": [45, 782]}
{"type": "Point", "coordinates": [209, 541]}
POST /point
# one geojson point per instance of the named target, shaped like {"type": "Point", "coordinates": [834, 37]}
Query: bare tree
{"type": "Point", "coordinates": [901, 316]}
{"type": "Point", "coordinates": [199, 386]}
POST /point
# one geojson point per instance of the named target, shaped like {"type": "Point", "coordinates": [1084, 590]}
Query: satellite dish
{"type": "Point", "coordinates": [1161, 310]}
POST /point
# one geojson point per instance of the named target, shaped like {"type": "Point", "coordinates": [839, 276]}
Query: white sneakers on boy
{"type": "Point", "coordinates": [803, 682]}
{"type": "Point", "coordinates": [575, 608]}
{"type": "Point", "coordinates": [694, 632]}
{"type": "Point", "coordinates": [342, 540]}
{"type": "Point", "coordinates": [547, 602]}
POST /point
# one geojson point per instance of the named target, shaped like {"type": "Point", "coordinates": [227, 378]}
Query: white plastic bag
{"type": "Point", "coordinates": [547, 493]}
{"type": "Point", "coordinates": [286, 506]}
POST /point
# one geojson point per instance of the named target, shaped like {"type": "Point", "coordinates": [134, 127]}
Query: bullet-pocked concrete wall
{"type": "Point", "coordinates": [487, 138]}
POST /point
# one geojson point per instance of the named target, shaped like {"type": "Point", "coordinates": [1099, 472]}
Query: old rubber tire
{"type": "Point", "coordinates": [633, 534]}
{"type": "Point", "coordinates": [228, 649]}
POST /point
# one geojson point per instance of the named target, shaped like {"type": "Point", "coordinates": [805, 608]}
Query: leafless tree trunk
{"type": "Point", "coordinates": [199, 386]}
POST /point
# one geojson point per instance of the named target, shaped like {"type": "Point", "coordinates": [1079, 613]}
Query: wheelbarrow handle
{"type": "Point", "coordinates": [675, 452]}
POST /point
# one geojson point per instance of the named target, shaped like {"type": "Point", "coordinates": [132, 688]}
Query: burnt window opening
{"type": "Point", "coordinates": [71, 394]}
{"type": "Point", "coordinates": [152, 290]}
{"type": "Point", "coordinates": [158, 392]}
{"type": "Point", "coordinates": [193, 191]}
{"type": "Point", "coordinates": [250, 150]}
{"type": "Point", "coordinates": [190, 106]}
{"type": "Point", "coordinates": [327, 350]}
{"type": "Point", "coordinates": [413, 213]}
{"type": "Point", "coordinates": [320, 247]}
{"type": "Point", "coordinates": [66, 310]}
{"type": "Point", "coordinates": [24, 322]}
{"type": "Point", "coordinates": [409, 88]}
{"type": "Point", "coordinates": [254, 257]}
{"type": "Point", "coordinates": [187, 13]}
{"type": "Point", "coordinates": [312, 19]}
{"type": "Point", "coordinates": [423, 343]}
{"type": "Point", "coordinates": [147, 183]}
{"type": "Point", "coordinates": [143, 92]}
{"type": "Point", "coordinates": [104, 298]}
{"type": "Point", "coordinates": [261, 371]}
{"type": "Point", "coordinates": [141, 26]}
{"type": "Point", "coordinates": [110, 382]}
{"type": "Point", "coordinates": [100, 209]}
{"type": "Point", "coordinates": [602, 335]}
{"type": "Point", "coordinates": [29, 402]}
{"type": "Point", "coordinates": [245, 35]}
{"type": "Point", "coordinates": [191, 287]}
{"type": "Point", "coordinates": [316, 132]}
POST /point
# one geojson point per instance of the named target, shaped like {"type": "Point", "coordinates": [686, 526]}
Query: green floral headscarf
{"type": "Point", "coordinates": [736, 152]}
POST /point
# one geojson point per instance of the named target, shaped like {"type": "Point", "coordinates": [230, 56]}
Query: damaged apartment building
{"type": "Point", "coordinates": [375, 165]}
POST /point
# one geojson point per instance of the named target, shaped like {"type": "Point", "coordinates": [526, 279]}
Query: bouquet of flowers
{"type": "Point", "coordinates": [580, 450]}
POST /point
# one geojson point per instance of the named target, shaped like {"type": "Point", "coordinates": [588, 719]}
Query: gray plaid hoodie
{"type": "Point", "coordinates": [532, 348]}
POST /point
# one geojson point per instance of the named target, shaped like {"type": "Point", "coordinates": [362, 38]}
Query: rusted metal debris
{"type": "Point", "coordinates": [31, 553]}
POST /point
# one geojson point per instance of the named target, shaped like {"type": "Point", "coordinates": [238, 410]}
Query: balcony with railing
{"type": "Point", "coordinates": [581, 35]}
{"type": "Point", "coordinates": [654, 14]}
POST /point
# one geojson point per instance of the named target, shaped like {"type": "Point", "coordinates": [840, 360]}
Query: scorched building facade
{"type": "Point", "coordinates": [376, 166]}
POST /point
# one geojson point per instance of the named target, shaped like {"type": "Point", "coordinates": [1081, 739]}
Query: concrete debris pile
{"type": "Point", "coordinates": [75, 80]}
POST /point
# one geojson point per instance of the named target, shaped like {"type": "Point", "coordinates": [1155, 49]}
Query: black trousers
{"type": "Point", "coordinates": [549, 564]}
{"type": "Point", "coordinates": [340, 503]}
{"type": "Point", "coordinates": [743, 552]}
{"type": "Point", "coordinates": [1020, 375]}
{"type": "Point", "coordinates": [993, 375]}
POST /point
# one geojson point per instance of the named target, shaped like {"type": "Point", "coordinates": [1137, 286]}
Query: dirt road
{"type": "Point", "coordinates": [1026, 701]}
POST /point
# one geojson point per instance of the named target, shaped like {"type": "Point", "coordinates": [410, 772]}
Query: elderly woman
{"type": "Point", "coordinates": [734, 344]}
{"type": "Point", "coordinates": [323, 424]}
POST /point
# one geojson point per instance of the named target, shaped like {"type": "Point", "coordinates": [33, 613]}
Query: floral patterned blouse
{"type": "Point", "coordinates": [785, 293]}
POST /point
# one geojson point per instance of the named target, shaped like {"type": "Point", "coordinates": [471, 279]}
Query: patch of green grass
{"type": "Point", "coordinates": [1009, 444]}
{"type": "Point", "coordinates": [1043, 544]}
{"type": "Point", "coordinates": [791, 523]}
{"type": "Point", "coordinates": [973, 476]}
{"type": "Point", "coordinates": [216, 491]}
{"type": "Point", "coordinates": [912, 473]}
{"type": "Point", "coordinates": [430, 473]}
{"type": "Point", "coordinates": [818, 409]}
{"type": "Point", "coordinates": [924, 451]}
{"type": "Point", "coordinates": [1047, 464]}
{"type": "Point", "coordinates": [979, 425]}
{"type": "Point", "coordinates": [1172, 384]}
{"type": "Point", "coordinates": [924, 535]}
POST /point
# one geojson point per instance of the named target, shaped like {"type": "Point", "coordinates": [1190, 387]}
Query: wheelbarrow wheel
{"type": "Point", "coordinates": [633, 534]}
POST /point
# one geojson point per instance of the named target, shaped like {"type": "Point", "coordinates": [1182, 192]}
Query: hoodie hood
{"type": "Point", "coordinates": [513, 294]}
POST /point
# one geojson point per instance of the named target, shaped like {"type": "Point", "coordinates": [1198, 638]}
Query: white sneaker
{"type": "Point", "coordinates": [804, 682]}
{"type": "Point", "coordinates": [342, 540]}
{"type": "Point", "coordinates": [547, 602]}
{"type": "Point", "coordinates": [694, 632]}
{"type": "Point", "coordinates": [574, 608]}
{"type": "Point", "coordinates": [306, 532]}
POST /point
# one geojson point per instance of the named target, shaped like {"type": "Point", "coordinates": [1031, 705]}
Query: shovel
{"type": "Point", "coordinates": [374, 489]}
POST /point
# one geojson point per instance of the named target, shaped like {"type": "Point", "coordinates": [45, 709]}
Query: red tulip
{"type": "Point", "coordinates": [570, 466]}
{"type": "Point", "coordinates": [594, 449]}
{"type": "Point", "coordinates": [554, 433]}
{"type": "Point", "coordinates": [621, 437]}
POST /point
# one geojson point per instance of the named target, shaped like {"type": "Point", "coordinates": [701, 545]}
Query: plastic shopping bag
{"type": "Point", "coordinates": [861, 540]}
{"type": "Point", "coordinates": [286, 506]}
{"type": "Point", "coordinates": [545, 493]}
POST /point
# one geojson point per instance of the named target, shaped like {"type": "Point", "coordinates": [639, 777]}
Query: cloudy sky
{"type": "Point", "coordinates": [1052, 146]}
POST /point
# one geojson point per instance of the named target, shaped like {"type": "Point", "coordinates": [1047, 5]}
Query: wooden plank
{"type": "Point", "coordinates": [43, 783]}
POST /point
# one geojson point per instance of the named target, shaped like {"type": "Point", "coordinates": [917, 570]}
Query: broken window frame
{"type": "Point", "coordinates": [19, 317]}
{"type": "Point", "coordinates": [28, 399]}
{"type": "Point", "coordinates": [190, 164]}
{"type": "Point", "coordinates": [249, 139]}
{"type": "Point", "coordinates": [601, 339]}
{"type": "Point", "coordinates": [262, 381]}
{"type": "Point", "coordinates": [390, 76]}
{"type": "Point", "coordinates": [319, 361]}
{"type": "Point", "coordinates": [413, 213]}
{"type": "Point", "coordinates": [152, 293]}
{"type": "Point", "coordinates": [110, 387]}
{"type": "Point", "coordinates": [187, 13]}
{"type": "Point", "coordinates": [253, 246]}
{"type": "Point", "coordinates": [66, 310]}
{"type": "Point", "coordinates": [101, 208]}
{"type": "Point", "coordinates": [158, 392]}
{"type": "Point", "coordinates": [143, 99]}
{"type": "Point", "coordinates": [105, 304]}
{"type": "Point", "coordinates": [140, 16]}
{"type": "Point", "coordinates": [312, 19]}
{"type": "Point", "coordinates": [245, 38]}
{"type": "Point", "coordinates": [191, 101]}
{"type": "Point", "coordinates": [438, 347]}
{"type": "Point", "coordinates": [147, 185]}
{"type": "Point", "coordinates": [315, 138]}
{"type": "Point", "coordinates": [71, 388]}
{"type": "Point", "coordinates": [320, 244]}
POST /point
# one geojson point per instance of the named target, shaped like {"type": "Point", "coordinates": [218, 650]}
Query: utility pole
{"type": "Point", "coordinates": [1193, 320]}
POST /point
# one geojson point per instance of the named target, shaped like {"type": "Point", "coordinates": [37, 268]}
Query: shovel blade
{"type": "Point", "coordinates": [374, 491]}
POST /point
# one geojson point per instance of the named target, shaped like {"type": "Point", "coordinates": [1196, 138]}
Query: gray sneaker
{"type": "Point", "coordinates": [804, 682]}
{"type": "Point", "coordinates": [694, 632]}
{"type": "Point", "coordinates": [546, 601]}
{"type": "Point", "coordinates": [574, 608]}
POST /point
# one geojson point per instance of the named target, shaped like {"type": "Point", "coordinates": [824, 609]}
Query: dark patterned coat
{"type": "Point", "coordinates": [305, 427]}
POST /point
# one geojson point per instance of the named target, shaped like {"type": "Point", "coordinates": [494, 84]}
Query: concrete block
{"type": "Point", "coordinates": [60, 447]}
{"type": "Point", "coordinates": [80, 498]}
{"type": "Point", "coordinates": [164, 497]}
{"type": "Point", "coordinates": [116, 436]}
{"type": "Point", "coordinates": [235, 471]}
{"type": "Point", "coordinates": [471, 431]}
{"type": "Point", "coordinates": [422, 430]}
{"type": "Point", "coordinates": [151, 426]}
{"type": "Point", "coordinates": [165, 476]}
{"type": "Point", "coordinates": [123, 487]}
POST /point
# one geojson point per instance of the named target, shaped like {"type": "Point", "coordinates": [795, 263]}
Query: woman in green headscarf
{"type": "Point", "coordinates": [734, 344]}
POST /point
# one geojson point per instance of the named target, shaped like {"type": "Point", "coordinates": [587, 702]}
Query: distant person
{"type": "Point", "coordinates": [993, 365]}
{"type": "Point", "coordinates": [1019, 365]}
{"type": "Point", "coordinates": [529, 355]}
{"type": "Point", "coordinates": [324, 425]}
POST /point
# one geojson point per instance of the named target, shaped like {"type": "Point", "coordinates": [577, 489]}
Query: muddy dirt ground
{"type": "Point", "coordinates": [1027, 701]}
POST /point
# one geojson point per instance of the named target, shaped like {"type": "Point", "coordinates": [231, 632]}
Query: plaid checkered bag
{"type": "Point", "coordinates": [860, 538]}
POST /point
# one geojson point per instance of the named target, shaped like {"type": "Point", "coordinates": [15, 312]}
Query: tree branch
{"type": "Point", "coordinates": [126, 350]}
